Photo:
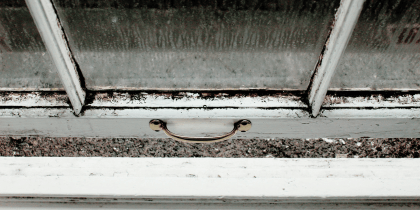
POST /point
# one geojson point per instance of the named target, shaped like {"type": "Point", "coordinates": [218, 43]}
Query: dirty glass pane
{"type": "Point", "coordinates": [184, 44]}
{"type": "Point", "coordinates": [24, 62]}
{"type": "Point", "coordinates": [384, 51]}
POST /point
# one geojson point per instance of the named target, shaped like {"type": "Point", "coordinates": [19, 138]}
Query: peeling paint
{"type": "Point", "coordinates": [213, 99]}
{"type": "Point", "coordinates": [371, 99]}
{"type": "Point", "coordinates": [34, 99]}
{"type": "Point", "coordinates": [197, 99]}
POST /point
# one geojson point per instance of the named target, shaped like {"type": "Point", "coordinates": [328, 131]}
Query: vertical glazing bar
{"type": "Point", "coordinates": [53, 36]}
{"type": "Point", "coordinates": [344, 23]}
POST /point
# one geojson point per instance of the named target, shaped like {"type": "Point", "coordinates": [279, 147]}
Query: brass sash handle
{"type": "Point", "coordinates": [241, 125]}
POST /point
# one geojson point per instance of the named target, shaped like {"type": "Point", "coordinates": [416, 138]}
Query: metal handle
{"type": "Point", "coordinates": [241, 125]}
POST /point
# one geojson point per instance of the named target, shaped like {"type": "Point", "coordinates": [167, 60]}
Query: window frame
{"type": "Point", "coordinates": [286, 114]}
{"type": "Point", "coordinates": [105, 181]}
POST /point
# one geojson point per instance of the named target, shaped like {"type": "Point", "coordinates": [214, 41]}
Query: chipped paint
{"type": "Point", "coordinates": [345, 20]}
{"type": "Point", "coordinates": [52, 34]}
{"type": "Point", "coordinates": [7, 89]}
{"type": "Point", "coordinates": [213, 99]}
{"type": "Point", "coordinates": [34, 99]}
{"type": "Point", "coordinates": [372, 100]}
{"type": "Point", "coordinates": [197, 100]}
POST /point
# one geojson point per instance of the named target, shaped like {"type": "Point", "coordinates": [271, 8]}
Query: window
{"type": "Point", "coordinates": [202, 70]}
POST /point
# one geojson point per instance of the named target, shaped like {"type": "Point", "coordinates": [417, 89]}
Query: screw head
{"type": "Point", "coordinates": [244, 125]}
{"type": "Point", "coordinates": [155, 125]}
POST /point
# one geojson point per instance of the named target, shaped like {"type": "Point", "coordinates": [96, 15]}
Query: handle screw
{"type": "Point", "coordinates": [155, 125]}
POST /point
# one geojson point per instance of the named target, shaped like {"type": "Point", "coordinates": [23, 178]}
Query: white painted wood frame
{"type": "Point", "coordinates": [50, 29]}
{"type": "Point", "coordinates": [136, 181]}
{"type": "Point", "coordinates": [127, 114]}
{"type": "Point", "coordinates": [344, 23]}
{"type": "Point", "coordinates": [32, 204]}
{"type": "Point", "coordinates": [54, 39]}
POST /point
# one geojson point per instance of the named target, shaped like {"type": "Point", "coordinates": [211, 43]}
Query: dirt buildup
{"type": "Point", "coordinates": [239, 148]}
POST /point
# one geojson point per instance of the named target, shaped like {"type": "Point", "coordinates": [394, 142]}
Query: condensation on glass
{"type": "Point", "coordinates": [197, 44]}
{"type": "Point", "coordinates": [384, 51]}
{"type": "Point", "coordinates": [24, 61]}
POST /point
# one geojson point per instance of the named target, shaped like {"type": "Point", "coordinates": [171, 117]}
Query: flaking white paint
{"type": "Point", "coordinates": [194, 100]}
{"type": "Point", "coordinates": [345, 20]}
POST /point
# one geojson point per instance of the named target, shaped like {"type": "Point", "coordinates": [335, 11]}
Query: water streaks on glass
{"type": "Point", "coordinates": [24, 61]}
{"type": "Point", "coordinates": [384, 50]}
{"type": "Point", "coordinates": [197, 44]}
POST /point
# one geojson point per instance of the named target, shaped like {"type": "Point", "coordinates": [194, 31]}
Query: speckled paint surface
{"type": "Point", "coordinates": [245, 148]}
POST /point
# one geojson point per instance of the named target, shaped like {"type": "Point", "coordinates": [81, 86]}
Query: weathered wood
{"type": "Point", "coordinates": [212, 99]}
{"type": "Point", "coordinates": [34, 99]}
{"type": "Point", "coordinates": [360, 99]}
{"type": "Point", "coordinates": [345, 20]}
{"type": "Point", "coordinates": [266, 123]}
{"type": "Point", "coordinates": [200, 99]}
{"type": "Point", "coordinates": [127, 114]}
{"type": "Point", "coordinates": [53, 36]}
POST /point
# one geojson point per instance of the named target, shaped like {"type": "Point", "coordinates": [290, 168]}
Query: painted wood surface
{"type": "Point", "coordinates": [271, 123]}
{"type": "Point", "coordinates": [127, 114]}
{"type": "Point", "coordinates": [211, 178]}
{"type": "Point", "coordinates": [34, 99]}
{"type": "Point", "coordinates": [202, 99]}
{"type": "Point", "coordinates": [197, 205]}
{"type": "Point", "coordinates": [52, 34]}
{"type": "Point", "coordinates": [212, 99]}
{"type": "Point", "coordinates": [344, 22]}
{"type": "Point", "coordinates": [361, 99]}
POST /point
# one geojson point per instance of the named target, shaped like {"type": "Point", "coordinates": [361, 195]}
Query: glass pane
{"type": "Point", "coordinates": [384, 51]}
{"type": "Point", "coordinates": [24, 62]}
{"type": "Point", "coordinates": [197, 44]}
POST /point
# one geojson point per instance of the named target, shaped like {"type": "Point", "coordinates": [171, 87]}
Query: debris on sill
{"type": "Point", "coordinates": [236, 148]}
